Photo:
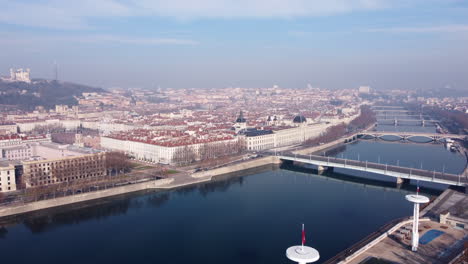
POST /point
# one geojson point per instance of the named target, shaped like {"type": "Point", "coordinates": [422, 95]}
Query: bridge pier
{"type": "Point", "coordinates": [401, 181]}
{"type": "Point", "coordinates": [322, 169]}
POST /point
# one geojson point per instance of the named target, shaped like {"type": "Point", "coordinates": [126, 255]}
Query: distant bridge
{"type": "Point", "coordinates": [387, 106]}
{"type": "Point", "coordinates": [390, 116]}
{"type": "Point", "coordinates": [407, 135]}
{"type": "Point", "coordinates": [377, 111]}
{"type": "Point", "coordinates": [396, 121]}
{"type": "Point", "coordinates": [388, 170]}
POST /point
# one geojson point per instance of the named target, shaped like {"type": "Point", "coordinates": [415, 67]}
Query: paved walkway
{"type": "Point", "coordinates": [438, 251]}
{"type": "Point", "coordinates": [183, 179]}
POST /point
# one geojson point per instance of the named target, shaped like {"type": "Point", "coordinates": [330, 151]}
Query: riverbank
{"type": "Point", "coordinates": [378, 244]}
{"type": "Point", "coordinates": [166, 184]}
{"type": "Point", "coordinates": [79, 198]}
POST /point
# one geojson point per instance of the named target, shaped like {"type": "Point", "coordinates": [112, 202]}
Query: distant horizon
{"type": "Point", "coordinates": [331, 44]}
{"type": "Point", "coordinates": [233, 87]}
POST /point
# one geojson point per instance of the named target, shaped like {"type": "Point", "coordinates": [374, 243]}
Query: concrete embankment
{"type": "Point", "coordinates": [238, 167]}
{"type": "Point", "coordinates": [78, 198]}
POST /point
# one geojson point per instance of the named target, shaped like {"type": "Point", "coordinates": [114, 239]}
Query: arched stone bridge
{"type": "Point", "coordinates": [407, 135]}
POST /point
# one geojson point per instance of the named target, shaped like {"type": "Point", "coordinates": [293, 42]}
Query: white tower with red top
{"type": "Point", "coordinates": [416, 199]}
{"type": "Point", "coordinates": [302, 254]}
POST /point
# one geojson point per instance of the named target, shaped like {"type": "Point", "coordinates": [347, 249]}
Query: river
{"type": "Point", "coordinates": [247, 219]}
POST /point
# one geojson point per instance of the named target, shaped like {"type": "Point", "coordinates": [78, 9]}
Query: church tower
{"type": "Point", "coordinates": [241, 122]}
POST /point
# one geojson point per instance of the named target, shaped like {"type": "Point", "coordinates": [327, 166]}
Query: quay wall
{"type": "Point", "coordinates": [238, 167]}
{"type": "Point", "coordinates": [50, 203]}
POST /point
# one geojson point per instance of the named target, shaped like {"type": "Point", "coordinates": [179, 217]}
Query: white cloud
{"type": "Point", "coordinates": [432, 29]}
{"type": "Point", "coordinates": [76, 14]}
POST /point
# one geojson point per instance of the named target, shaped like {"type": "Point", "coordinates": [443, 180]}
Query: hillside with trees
{"type": "Point", "coordinates": [27, 96]}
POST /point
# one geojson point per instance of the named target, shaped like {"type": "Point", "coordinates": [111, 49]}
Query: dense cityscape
{"type": "Point", "coordinates": [262, 132]}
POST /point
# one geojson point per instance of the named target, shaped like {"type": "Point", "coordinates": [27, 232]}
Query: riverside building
{"type": "Point", "coordinates": [7, 177]}
{"type": "Point", "coordinates": [53, 163]}
{"type": "Point", "coordinates": [164, 146]}
{"type": "Point", "coordinates": [46, 163]}
{"type": "Point", "coordinates": [280, 136]}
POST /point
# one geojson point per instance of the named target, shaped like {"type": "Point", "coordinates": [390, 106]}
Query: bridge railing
{"type": "Point", "coordinates": [365, 165]}
{"type": "Point", "coordinates": [366, 240]}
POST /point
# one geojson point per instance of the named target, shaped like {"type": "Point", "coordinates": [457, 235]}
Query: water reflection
{"type": "Point", "coordinates": [46, 220]}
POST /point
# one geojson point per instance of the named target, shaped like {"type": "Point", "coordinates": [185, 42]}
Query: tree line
{"type": "Point", "coordinates": [207, 152]}
{"type": "Point", "coordinates": [365, 119]}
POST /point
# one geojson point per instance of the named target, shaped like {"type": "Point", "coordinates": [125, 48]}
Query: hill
{"type": "Point", "coordinates": [45, 93]}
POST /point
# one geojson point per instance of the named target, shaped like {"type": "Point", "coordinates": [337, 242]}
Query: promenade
{"type": "Point", "coordinates": [392, 242]}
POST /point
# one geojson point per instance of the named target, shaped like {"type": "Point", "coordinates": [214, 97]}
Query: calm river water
{"type": "Point", "coordinates": [248, 219]}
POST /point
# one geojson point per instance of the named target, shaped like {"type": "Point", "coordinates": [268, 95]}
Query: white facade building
{"type": "Point", "coordinates": [152, 152]}
{"type": "Point", "coordinates": [7, 178]}
{"type": "Point", "coordinates": [20, 75]}
{"type": "Point", "coordinates": [7, 128]}
{"type": "Point", "coordinates": [284, 137]}
{"type": "Point", "coordinates": [365, 89]}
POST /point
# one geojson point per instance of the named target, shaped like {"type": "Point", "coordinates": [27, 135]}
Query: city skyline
{"type": "Point", "coordinates": [215, 44]}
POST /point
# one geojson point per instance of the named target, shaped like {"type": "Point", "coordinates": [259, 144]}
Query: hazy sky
{"type": "Point", "coordinates": [247, 43]}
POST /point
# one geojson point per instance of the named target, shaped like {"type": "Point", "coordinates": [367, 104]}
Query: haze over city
{"type": "Point", "coordinates": [258, 43]}
{"type": "Point", "coordinates": [234, 131]}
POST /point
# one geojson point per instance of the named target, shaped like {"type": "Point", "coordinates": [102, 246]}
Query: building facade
{"type": "Point", "coordinates": [157, 153]}
{"type": "Point", "coordinates": [20, 152]}
{"type": "Point", "coordinates": [7, 178]}
{"type": "Point", "coordinates": [8, 128]}
{"type": "Point", "coordinates": [67, 169]}
{"type": "Point", "coordinates": [283, 137]}
{"type": "Point", "coordinates": [20, 75]}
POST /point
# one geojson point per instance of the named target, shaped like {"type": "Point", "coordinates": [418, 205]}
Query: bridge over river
{"type": "Point", "coordinates": [397, 172]}
{"type": "Point", "coordinates": [407, 135]}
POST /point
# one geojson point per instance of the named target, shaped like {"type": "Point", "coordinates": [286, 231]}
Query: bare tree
{"type": "Point", "coordinates": [184, 156]}
{"type": "Point", "coordinates": [118, 162]}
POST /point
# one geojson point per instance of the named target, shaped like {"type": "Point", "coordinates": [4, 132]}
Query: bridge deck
{"type": "Point", "coordinates": [411, 134]}
{"type": "Point", "coordinates": [389, 170]}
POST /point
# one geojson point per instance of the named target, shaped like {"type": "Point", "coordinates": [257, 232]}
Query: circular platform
{"type": "Point", "coordinates": [417, 198]}
{"type": "Point", "coordinates": [297, 254]}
